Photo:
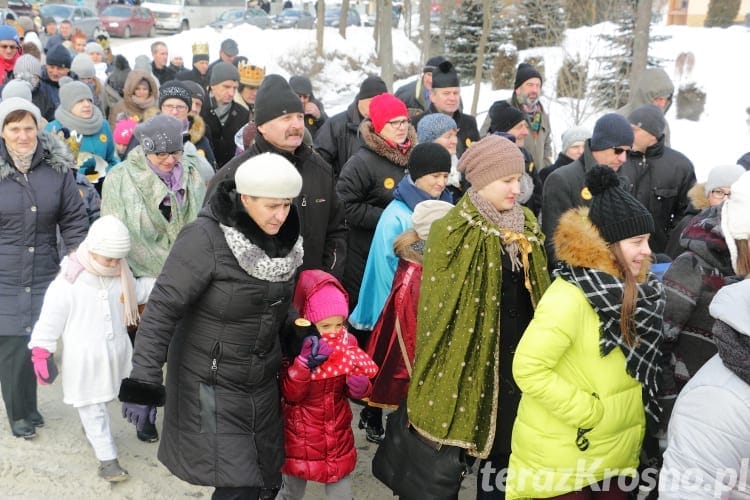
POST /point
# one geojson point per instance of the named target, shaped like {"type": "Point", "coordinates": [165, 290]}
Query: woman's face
{"type": "Point", "coordinates": [396, 130]}
{"type": "Point", "coordinates": [83, 109]}
{"type": "Point", "coordinates": [635, 252]}
{"type": "Point", "coordinates": [268, 213]}
{"type": "Point", "coordinates": [164, 161]}
{"type": "Point", "coordinates": [503, 192]}
{"type": "Point", "coordinates": [21, 135]}
{"type": "Point", "coordinates": [449, 140]}
{"type": "Point", "coordinates": [142, 90]}
{"type": "Point", "coordinates": [433, 184]}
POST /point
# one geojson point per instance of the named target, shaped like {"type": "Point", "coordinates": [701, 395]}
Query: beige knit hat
{"type": "Point", "coordinates": [108, 237]}
{"type": "Point", "coordinates": [490, 159]}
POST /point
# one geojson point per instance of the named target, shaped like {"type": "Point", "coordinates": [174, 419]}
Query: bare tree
{"type": "Point", "coordinates": [424, 21]}
{"type": "Point", "coordinates": [342, 18]}
{"type": "Point", "coordinates": [321, 13]}
{"type": "Point", "coordinates": [486, 18]}
{"type": "Point", "coordinates": [640, 40]}
{"type": "Point", "coordinates": [385, 26]}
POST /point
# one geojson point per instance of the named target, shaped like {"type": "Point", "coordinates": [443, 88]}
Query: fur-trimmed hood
{"type": "Point", "coordinates": [377, 144]}
{"type": "Point", "coordinates": [698, 198]}
{"type": "Point", "coordinates": [197, 128]}
{"type": "Point", "coordinates": [134, 78]}
{"type": "Point", "coordinates": [49, 149]}
{"type": "Point", "coordinates": [578, 243]}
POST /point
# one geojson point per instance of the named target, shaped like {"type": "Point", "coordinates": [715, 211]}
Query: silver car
{"type": "Point", "coordinates": [82, 18]}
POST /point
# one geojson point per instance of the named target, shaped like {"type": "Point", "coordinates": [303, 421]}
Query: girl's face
{"type": "Point", "coordinates": [635, 252]}
{"type": "Point", "coordinates": [142, 90]}
{"type": "Point", "coordinates": [330, 325]}
{"type": "Point", "coordinates": [83, 109]}
{"type": "Point", "coordinates": [502, 193]}
{"type": "Point", "coordinates": [104, 261]}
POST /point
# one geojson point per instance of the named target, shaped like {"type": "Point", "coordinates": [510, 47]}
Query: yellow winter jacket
{"type": "Point", "coordinates": [559, 368]}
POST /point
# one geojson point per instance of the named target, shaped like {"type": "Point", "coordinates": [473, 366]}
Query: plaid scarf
{"type": "Point", "coordinates": [604, 292]}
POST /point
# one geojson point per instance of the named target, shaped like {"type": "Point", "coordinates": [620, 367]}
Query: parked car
{"type": "Point", "coordinates": [294, 18]}
{"type": "Point", "coordinates": [332, 17]}
{"type": "Point", "coordinates": [82, 18]}
{"type": "Point", "coordinates": [20, 8]}
{"type": "Point", "coordinates": [396, 15]}
{"type": "Point", "coordinates": [235, 17]}
{"type": "Point", "coordinates": [128, 20]}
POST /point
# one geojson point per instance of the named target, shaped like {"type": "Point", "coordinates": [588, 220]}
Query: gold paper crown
{"type": "Point", "coordinates": [200, 48]}
{"type": "Point", "coordinates": [251, 75]}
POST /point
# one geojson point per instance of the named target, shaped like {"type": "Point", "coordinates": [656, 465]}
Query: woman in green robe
{"type": "Point", "coordinates": [484, 271]}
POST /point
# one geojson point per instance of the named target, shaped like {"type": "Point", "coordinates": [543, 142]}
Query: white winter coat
{"type": "Point", "coordinates": [88, 314]}
{"type": "Point", "coordinates": [708, 450]}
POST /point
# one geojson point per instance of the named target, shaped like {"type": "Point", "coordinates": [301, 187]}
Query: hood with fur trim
{"type": "Point", "coordinates": [378, 145]}
{"type": "Point", "coordinates": [134, 78]}
{"type": "Point", "coordinates": [698, 198]}
{"type": "Point", "coordinates": [50, 149]}
{"type": "Point", "coordinates": [197, 128]}
{"type": "Point", "coordinates": [578, 243]}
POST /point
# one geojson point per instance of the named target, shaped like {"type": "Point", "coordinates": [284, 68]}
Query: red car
{"type": "Point", "coordinates": [127, 21]}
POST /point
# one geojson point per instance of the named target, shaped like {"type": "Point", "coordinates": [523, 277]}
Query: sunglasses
{"type": "Point", "coordinates": [619, 151]}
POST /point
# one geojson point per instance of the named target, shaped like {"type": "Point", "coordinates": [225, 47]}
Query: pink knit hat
{"type": "Point", "coordinates": [124, 131]}
{"type": "Point", "coordinates": [325, 302]}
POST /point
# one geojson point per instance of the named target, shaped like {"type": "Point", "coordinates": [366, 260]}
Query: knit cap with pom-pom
{"type": "Point", "coordinates": [614, 211]}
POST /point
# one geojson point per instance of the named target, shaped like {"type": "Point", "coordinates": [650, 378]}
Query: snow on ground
{"type": "Point", "coordinates": [721, 136]}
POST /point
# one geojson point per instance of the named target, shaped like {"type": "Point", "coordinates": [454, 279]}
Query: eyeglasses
{"type": "Point", "coordinates": [398, 123]}
{"type": "Point", "coordinates": [174, 154]}
{"type": "Point", "coordinates": [619, 151]}
{"type": "Point", "coordinates": [175, 107]}
{"type": "Point", "coordinates": [8, 47]}
{"type": "Point", "coordinates": [721, 194]}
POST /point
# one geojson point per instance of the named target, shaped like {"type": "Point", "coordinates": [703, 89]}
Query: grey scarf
{"type": "Point", "coordinates": [84, 126]}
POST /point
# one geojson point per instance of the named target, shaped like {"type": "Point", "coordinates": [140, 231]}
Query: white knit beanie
{"type": "Point", "coordinates": [425, 213]}
{"type": "Point", "coordinates": [17, 88]}
{"type": "Point", "coordinates": [722, 176]}
{"type": "Point", "coordinates": [268, 175]}
{"type": "Point", "coordinates": [735, 223]}
{"type": "Point", "coordinates": [17, 103]}
{"type": "Point", "coordinates": [109, 238]}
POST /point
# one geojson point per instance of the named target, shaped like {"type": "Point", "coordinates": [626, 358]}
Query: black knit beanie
{"type": "Point", "coordinates": [444, 76]}
{"type": "Point", "coordinates": [372, 86]}
{"type": "Point", "coordinates": [524, 72]}
{"type": "Point", "coordinates": [610, 131]}
{"type": "Point", "coordinates": [275, 98]}
{"type": "Point", "coordinates": [175, 89]}
{"type": "Point", "coordinates": [428, 158]}
{"type": "Point", "coordinates": [614, 211]}
{"type": "Point", "coordinates": [433, 63]}
{"type": "Point", "coordinates": [504, 117]}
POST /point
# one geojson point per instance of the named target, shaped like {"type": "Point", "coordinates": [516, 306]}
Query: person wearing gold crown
{"type": "Point", "coordinates": [250, 79]}
{"type": "Point", "coordinates": [199, 73]}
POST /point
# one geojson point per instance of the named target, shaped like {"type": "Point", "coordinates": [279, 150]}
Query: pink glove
{"type": "Point", "coordinates": [358, 385]}
{"type": "Point", "coordinates": [314, 352]}
{"type": "Point", "coordinates": [44, 365]}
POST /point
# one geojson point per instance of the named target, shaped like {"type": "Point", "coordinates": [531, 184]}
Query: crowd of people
{"type": "Point", "coordinates": [282, 262]}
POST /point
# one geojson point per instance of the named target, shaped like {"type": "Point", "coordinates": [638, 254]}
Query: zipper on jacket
{"type": "Point", "coordinates": [304, 201]}
{"type": "Point", "coordinates": [215, 356]}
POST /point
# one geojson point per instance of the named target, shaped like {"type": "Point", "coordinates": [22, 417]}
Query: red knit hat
{"type": "Point", "coordinates": [384, 108]}
{"type": "Point", "coordinates": [325, 302]}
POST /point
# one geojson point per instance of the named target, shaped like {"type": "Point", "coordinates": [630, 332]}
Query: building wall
{"type": "Point", "coordinates": [693, 12]}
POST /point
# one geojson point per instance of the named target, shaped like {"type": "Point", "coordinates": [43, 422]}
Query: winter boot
{"type": "Point", "coordinates": [371, 420]}
{"type": "Point", "coordinates": [110, 470]}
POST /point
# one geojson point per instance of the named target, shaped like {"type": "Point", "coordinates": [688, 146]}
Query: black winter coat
{"type": "Point", "coordinates": [365, 187]}
{"type": "Point", "coordinates": [32, 207]}
{"type": "Point", "coordinates": [217, 327]}
{"type": "Point", "coordinates": [222, 136]}
{"type": "Point", "coordinates": [338, 139]}
{"type": "Point", "coordinates": [467, 128]}
{"type": "Point", "coordinates": [412, 94]}
{"type": "Point", "coordinates": [660, 179]}
{"type": "Point", "coordinates": [194, 76]}
{"type": "Point", "coordinates": [320, 211]}
{"type": "Point", "coordinates": [563, 190]}
{"type": "Point", "coordinates": [562, 160]}
{"type": "Point", "coordinates": [163, 75]}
